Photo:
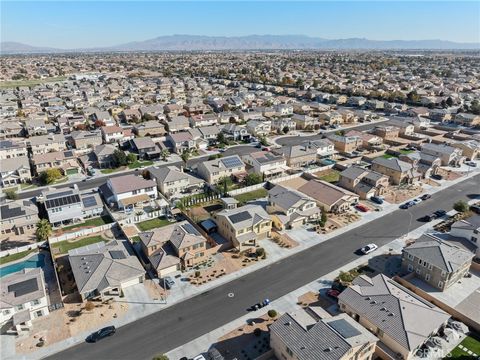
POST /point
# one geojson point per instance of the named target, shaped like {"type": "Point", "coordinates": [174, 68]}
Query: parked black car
{"type": "Point", "coordinates": [100, 334]}
{"type": "Point", "coordinates": [440, 213]}
{"type": "Point", "coordinates": [425, 197]}
{"type": "Point", "coordinates": [437, 177]}
{"type": "Point", "coordinates": [377, 200]}
{"type": "Point", "coordinates": [475, 208]}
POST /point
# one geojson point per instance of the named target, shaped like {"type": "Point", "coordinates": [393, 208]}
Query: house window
{"type": "Point", "coordinates": [39, 313]}
{"type": "Point", "coordinates": [427, 277]}
{"type": "Point", "coordinates": [35, 302]}
{"type": "Point", "coordinates": [410, 267]}
{"type": "Point", "coordinates": [6, 312]}
{"type": "Point", "coordinates": [440, 284]}
{"type": "Point", "coordinates": [444, 274]}
{"type": "Point", "coordinates": [430, 266]}
{"type": "Point", "coordinates": [418, 271]}
{"type": "Point", "coordinates": [20, 307]}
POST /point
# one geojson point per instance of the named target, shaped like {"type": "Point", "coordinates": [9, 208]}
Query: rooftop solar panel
{"type": "Point", "coordinates": [236, 218]}
{"type": "Point", "coordinates": [59, 194]}
{"type": "Point", "coordinates": [89, 201]}
{"type": "Point", "coordinates": [232, 162]}
{"type": "Point", "coordinates": [190, 229]}
{"type": "Point", "coordinates": [67, 200]}
{"type": "Point", "coordinates": [24, 287]}
{"type": "Point", "coordinates": [68, 153]}
{"type": "Point", "coordinates": [344, 328]}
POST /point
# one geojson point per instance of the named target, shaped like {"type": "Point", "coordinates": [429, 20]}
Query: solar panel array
{"type": "Point", "coordinates": [63, 193]}
{"type": "Point", "coordinates": [89, 201]}
{"type": "Point", "coordinates": [344, 328]}
{"type": "Point", "coordinates": [236, 218]}
{"type": "Point", "coordinates": [24, 287]}
{"type": "Point", "coordinates": [66, 200]}
{"type": "Point", "coordinates": [231, 162]}
{"type": "Point", "coordinates": [68, 153]}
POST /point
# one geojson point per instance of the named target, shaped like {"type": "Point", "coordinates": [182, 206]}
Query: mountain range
{"type": "Point", "coordinates": [251, 42]}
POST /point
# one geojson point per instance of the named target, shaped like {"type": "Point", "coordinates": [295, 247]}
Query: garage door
{"type": "Point", "coordinates": [168, 270]}
{"type": "Point", "coordinates": [131, 282]}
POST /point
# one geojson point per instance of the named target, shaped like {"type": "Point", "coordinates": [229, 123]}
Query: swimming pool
{"type": "Point", "coordinates": [34, 261]}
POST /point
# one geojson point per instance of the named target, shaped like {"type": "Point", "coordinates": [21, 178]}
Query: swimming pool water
{"type": "Point", "coordinates": [32, 262]}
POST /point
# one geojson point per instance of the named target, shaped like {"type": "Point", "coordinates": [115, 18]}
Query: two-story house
{"type": "Point", "coordinates": [181, 141]}
{"type": "Point", "coordinates": [62, 160]}
{"type": "Point", "coordinates": [149, 128]}
{"type": "Point", "coordinates": [399, 172]}
{"type": "Point", "coordinates": [345, 144]}
{"type": "Point", "coordinates": [235, 132]}
{"type": "Point", "coordinates": [438, 263]}
{"type": "Point", "coordinates": [145, 148]}
{"type": "Point", "coordinates": [111, 134]}
{"type": "Point", "coordinates": [213, 171]}
{"type": "Point", "coordinates": [282, 125]}
{"type": "Point", "coordinates": [448, 155]}
{"type": "Point", "coordinates": [324, 147]}
{"type": "Point", "coordinates": [173, 247]}
{"type": "Point", "coordinates": [83, 140]}
{"type": "Point", "coordinates": [47, 143]}
{"type": "Point", "coordinates": [259, 128]}
{"type": "Point", "coordinates": [268, 164]}
{"type": "Point", "coordinates": [103, 156]}
{"type": "Point", "coordinates": [244, 226]}
{"type": "Point", "coordinates": [173, 182]}
{"type": "Point", "coordinates": [128, 191]}
{"type": "Point", "coordinates": [12, 148]}
{"type": "Point", "coordinates": [290, 208]}
{"type": "Point", "coordinates": [18, 217]}
{"type": "Point", "coordinates": [14, 171]}
{"type": "Point", "coordinates": [298, 155]}
{"type": "Point", "coordinates": [363, 182]}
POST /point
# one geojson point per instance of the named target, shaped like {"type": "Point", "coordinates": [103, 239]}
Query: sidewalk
{"type": "Point", "coordinates": [184, 291]}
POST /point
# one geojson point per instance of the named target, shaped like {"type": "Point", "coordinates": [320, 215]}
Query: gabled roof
{"type": "Point", "coordinates": [126, 183]}
{"type": "Point", "coordinates": [399, 313]}
{"type": "Point", "coordinates": [393, 163]}
{"type": "Point", "coordinates": [18, 208]}
{"type": "Point", "coordinates": [287, 198]}
{"type": "Point", "coordinates": [244, 216]}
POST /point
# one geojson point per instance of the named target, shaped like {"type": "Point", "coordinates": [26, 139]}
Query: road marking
{"type": "Point", "coordinates": [231, 295]}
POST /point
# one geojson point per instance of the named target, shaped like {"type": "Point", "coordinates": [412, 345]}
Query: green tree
{"type": "Point", "coordinates": [323, 218]}
{"type": "Point", "coordinates": [272, 313]}
{"type": "Point", "coordinates": [165, 154]}
{"type": "Point", "coordinates": [253, 179]}
{"type": "Point", "coordinates": [225, 182]}
{"type": "Point", "coordinates": [461, 206]}
{"type": "Point", "coordinates": [221, 138]}
{"type": "Point", "coordinates": [119, 158]}
{"type": "Point", "coordinates": [11, 194]}
{"type": "Point", "coordinates": [263, 140]}
{"type": "Point", "coordinates": [44, 230]}
{"type": "Point", "coordinates": [49, 176]}
{"type": "Point", "coordinates": [185, 156]}
{"type": "Point", "coordinates": [131, 158]}
{"type": "Point", "coordinates": [449, 101]}
{"type": "Point", "coordinates": [286, 129]}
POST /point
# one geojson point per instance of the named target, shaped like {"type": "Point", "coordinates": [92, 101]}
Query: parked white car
{"type": "Point", "coordinates": [368, 249]}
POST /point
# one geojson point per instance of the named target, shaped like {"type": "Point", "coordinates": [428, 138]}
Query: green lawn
{"type": "Point", "coordinates": [252, 195]}
{"type": "Point", "coordinates": [72, 171]}
{"type": "Point", "coordinates": [109, 171]}
{"type": "Point", "coordinates": [137, 164]}
{"type": "Point", "coordinates": [331, 176]}
{"type": "Point", "coordinates": [135, 238]}
{"type": "Point", "coordinates": [65, 246]}
{"type": "Point", "coordinates": [32, 82]}
{"type": "Point", "coordinates": [152, 224]}
{"type": "Point", "coordinates": [17, 256]}
{"type": "Point", "coordinates": [471, 344]}
{"type": "Point", "coordinates": [98, 221]}
{"type": "Point", "coordinates": [387, 156]}
{"type": "Point", "coordinates": [402, 151]}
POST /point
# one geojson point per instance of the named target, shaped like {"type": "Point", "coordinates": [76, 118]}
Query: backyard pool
{"type": "Point", "coordinates": [34, 261]}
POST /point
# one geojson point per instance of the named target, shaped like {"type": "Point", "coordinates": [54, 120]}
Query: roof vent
{"type": "Point", "coordinates": [391, 314]}
{"type": "Point", "coordinates": [288, 323]}
{"type": "Point", "coordinates": [373, 302]}
{"type": "Point", "coordinates": [328, 349]}
{"type": "Point", "coordinates": [369, 298]}
{"type": "Point", "coordinates": [383, 309]}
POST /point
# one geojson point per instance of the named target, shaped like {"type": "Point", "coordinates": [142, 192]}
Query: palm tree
{"type": "Point", "coordinates": [185, 156]}
{"type": "Point", "coordinates": [164, 154]}
{"type": "Point", "coordinates": [44, 230]}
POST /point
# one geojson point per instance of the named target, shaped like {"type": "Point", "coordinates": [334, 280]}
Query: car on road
{"type": "Point", "coordinates": [428, 218]}
{"type": "Point", "coordinates": [417, 201]}
{"type": "Point", "coordinates": [266, 148]}
{"type": "Point", "coordinates": [361, 208]}
{"type": "Point", "coordinates": [333, 293]}
{"type": "Point", "coordinates": [377, 199]}
{"type": "Point", "coordinates": [323, 127]}
{"type": "Point", "coordinates": [425, 197]}
{"type": "Point", "coordinates": [259, 305]}
{"type": "Point", "coordinates": [168, 282]}
{"type": "Point", "coordinates": [258, 146]}
{"type": "Point", "coordinates": [221, 150]}
{"type": "Point", "coordinates": [368, 249]}
{"type": "Point", "coordinates": [440, 213]}
{"type": "Point", "coordinates": [475, 208]}
{"type": "Point", "coordinates": [471, 163]}
{"type": "Point", "coordinates": [100, 334]}
{"type": "Point", "coordinates": [199, 357]}
{"type": "Point", "coordinates": [407, 205]}
{"type": "Point", "coordinates": [437, 177]}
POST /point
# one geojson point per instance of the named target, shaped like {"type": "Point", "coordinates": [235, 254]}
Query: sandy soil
{"type": "Point", "coordinates": [399, 194]}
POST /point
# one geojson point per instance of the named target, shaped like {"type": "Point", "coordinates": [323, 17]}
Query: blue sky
{"type": "Point", "coordinates": [73, 24]}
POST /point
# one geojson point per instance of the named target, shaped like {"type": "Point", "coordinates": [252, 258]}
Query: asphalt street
{"type": "Point", "coordinates": [187, 320]}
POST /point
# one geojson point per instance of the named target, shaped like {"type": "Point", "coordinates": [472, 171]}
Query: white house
{"type": "Point", "coordinates": [129, 190]}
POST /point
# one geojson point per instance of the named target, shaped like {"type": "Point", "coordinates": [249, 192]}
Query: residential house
{"type": "Point", "coordinates": [425, 164]}
{"type": "Point", "coordinates": [210, 133]}
{"type": "Point", "coordinates": [213, 171]}
{"type": "Point", "coordinates": [14, 171]}
{"type": "Point", "coordinates": [177, 123]}
{"type": "Point", "coordinates": [304, 122]}
{"type": "Point", "coordinates": [328, 196]}
{"type": "Point", "coordinates": [127, 191]}
{"type": "Point", "coordinates": [363, 182]}
{"type": "Point", "coordinates": [282, 125]}
{"type": "Point", "coordinates": [298, 155]}
{"type": "Point", "coordinates": [440, 115]}
{"type": "Point", "coordinates": [437, 263]}
{"type": "Point", "coordinates": [103, 155]}
{"type": "Point", "coordinates": [10, 129]}
{"type": "Point", "coordinates": [145, 148]}
{"type": "Point", "coordinates": [12, 148]}
{"type": "Point", "coordinates": [112, 134]}
{"type": "Point", "coordinates": [290, 208]}
{"type": "Point", "coordinates": [68, 205]}
{"type": "Point", "coordinates": [103, 270]}
{"type": "Point", "coordinates": [173, 247]}
{"type": "Point", "coordinates": [324, 147]}
{"type": "Point", "coordinates": [312, 334]}
{"type": "Point", "coordinates": [235, 132]}
{"type": "Point", "coordinates": [368, 140]}
{"type": "Point", "coordinates": [345, 144]}
{"type": "Point", "coordinates": [65, 161]}
{"type": "Point", "coordinates": [18, 217]}
{"type": "Point", "coordinates": [86, 139]}
{"type": "Point", "coordinates": [402, 320]}
{"type": "Point", "coordinates": [259, 128]}
{"type": "Point", "coordinates": [103, 117]}
{"type": "Point", "coordinates": [172, 181]}
{"type": "Point", "coordinates": [181, 142]}
{"type": "Point", "coordinates": [34, 127]}
{"type": "Point", "coordinates": [448, 155]}
{"type": "Point", "coordinates": [404, 125]}
{"type": "Point", "coordinates": [23, 298]}
{"type": "Point", "coordinates": [244, 226]}
{"type": "Point", "coordinates": [131, 115]}
{"type": "Point", "coordinates": [149, 128]}
{"type": "Point", "coordinates": [399, 172]}
{"type": "Point", "coordinates": [467, 119]}
{"type": "Point", "coordinates": [469, 229]}
{"type": "Point", "coordinates": [203, 120]}
{"type": "Point", "coordinates": [268, 164]}
{"type": "Point", "coordinates": [47, 143]}
{"type": "Point", "coordinates": [386, 132]}
{"type": "Point", "coordinates": [470, 148]}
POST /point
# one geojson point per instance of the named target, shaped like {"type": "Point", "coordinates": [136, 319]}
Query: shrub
{"type": "Point", "coordinates": [272, 313]}
{"type": "Point", "coordinates": [197, 273]}
{"type": "Point", "coordinates": [260, 252]}
{"type": "Point", "coordinates": [11, 194]}
{"type": "Point", "coordinates": [89, 306]}
{"type": "Point", "coordinates": [460, 206]}
{"type": "Point", "coordinates": [257, 332]}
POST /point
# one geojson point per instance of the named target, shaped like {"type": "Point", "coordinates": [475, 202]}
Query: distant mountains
{"type": "Point", "coordinates": [252, 42]}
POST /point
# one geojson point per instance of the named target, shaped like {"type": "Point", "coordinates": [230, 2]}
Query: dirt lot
{"type": "Point", "coordinates": [449, 174]}
{"type": "Point", "coordinates": [399, 194]}
{"type": "Point", "coordinates": [242, 343]}
{"type": "Point", "coordinates": [315, 299]}
{"type": "Point", "coordinates": [283, 240]}
{"type": "Point", "coordinates": [130, 231]}
{"type": "Point", "coordinates": [430, 182]}
{"type": "Point", "coordinates": [294, 183]}
{"type": "Point", "coordinates": [337, 221]}
{"type": "Point", "coordinates": [11, 241]}
{"type": "Point", "coordinates": [69, 321]}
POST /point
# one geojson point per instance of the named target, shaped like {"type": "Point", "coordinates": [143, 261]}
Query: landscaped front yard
{"type": "Point", "coordinates": [252, 195]}
{"type": "Point", "coordinates": [152, 224]}
{"type": "Point", "coordinates": [137, 164]}
{"type": "Point", "coordinates": [462, 350]}
{"type": "Point", "coordinates": [65, 246]}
